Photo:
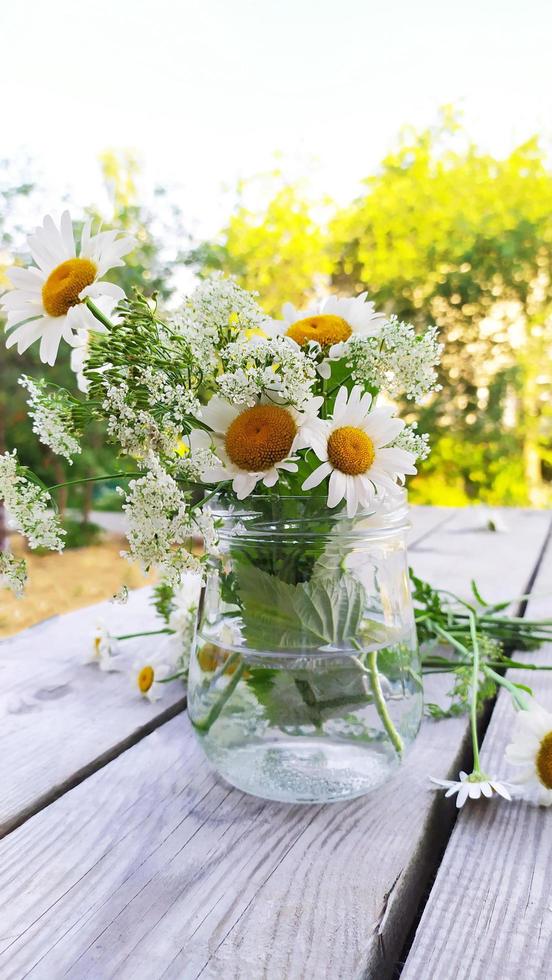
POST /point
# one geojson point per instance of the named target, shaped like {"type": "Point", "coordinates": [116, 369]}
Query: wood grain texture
{"type": "Point", "coordinates": [489, 915]}
{"type": "Point", "coordinates": [152, 867]}
{"type": "Point", "coordinates": [60, 721]}
{"type": "Point", "coordinates": [59, 718]}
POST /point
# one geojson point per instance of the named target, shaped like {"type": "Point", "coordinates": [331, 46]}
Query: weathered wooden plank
{"type": "Point", "coordinates": [426, 520]}
{"type": "Point", "coordinates": [489, 914]}
{"type": "Point", "coordinates": [154, 868]}
{"type": "Point", "coordinates": [60, 719]}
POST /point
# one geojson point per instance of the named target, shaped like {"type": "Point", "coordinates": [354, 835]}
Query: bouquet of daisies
{"type": "Point", "coordinates": [220, 397]}
{"type": "Point", "coordinates": [221, 403]}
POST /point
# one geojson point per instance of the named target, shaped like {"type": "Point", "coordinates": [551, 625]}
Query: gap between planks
{"type": "Point", "coordinates": [427, 520]}
{"type": "Point", "coordinates": [545, 556]}
{"type": "Point", "coordinates": [219, 878]}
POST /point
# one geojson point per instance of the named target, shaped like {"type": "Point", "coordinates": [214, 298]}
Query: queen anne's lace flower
{"type": "Point", "coordinates": [398, 361]}
{"type": "Point", "coordinates": [414, 442]}
{"type": "Point", "coordinates": [27, 507]}
{"type": "Point", "coordinates": [160, 523]}
{"type": "Point", "coordinates": [51, 415]}
{"type": "Point", "coordinates": [266, 367]}
{"type": "Point", "coordinates": [13, 573]}
{"type": "Point", "coordinates": [135, 429]}
{"type": "Point", "coordinates": [217, 313]}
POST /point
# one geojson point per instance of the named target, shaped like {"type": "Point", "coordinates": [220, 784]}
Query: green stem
{"type": "Point", "coordinates": [131, 636]}
{"type": "Point", "coordinates": [450, 638]}
{"type": "Point", "coordinates": [335, 387]}
{"type": "Point", "coordinates": [380, 704]}
{"type": "Point", "coordinates": [211, 717]}
{"type": "Point", "coordinates": [512, 688]}
{"type": "Point", "coordinates": [213, 493]}
{"type": "Point", "coordinates": [98, 313]}
{"type": "Point", "coordinates": [91, 479]}
{"type": "Point", "coordinates": [474, 693]}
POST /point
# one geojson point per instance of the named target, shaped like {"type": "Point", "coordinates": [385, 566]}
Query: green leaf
{"type": "Point", "coordinates": [477, 593]}
{"type": "Point", "coordinates": [276, 615]}
{"type": "Point", "coordinates": [269, 616]}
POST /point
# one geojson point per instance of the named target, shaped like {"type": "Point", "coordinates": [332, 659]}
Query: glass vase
{"type": "Point", "coordinates": [305, 682]}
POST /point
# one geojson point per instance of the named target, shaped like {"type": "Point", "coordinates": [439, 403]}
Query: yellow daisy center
{"type": "Point", "coordinates": [145, 679]}
{"type": "Point", "coordinates": [325, 329]}
{"type": "Point", "coordinates": [260, 437]}
{"type": "Point", "coordinates": [350, 450]}
{"type": "Point", "coordinates": [544, 761]}
{"type": "Point", "coordinates": [61, 290]}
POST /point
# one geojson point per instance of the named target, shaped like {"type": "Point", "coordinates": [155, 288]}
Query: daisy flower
{"type": "Point", "coordinates": [354, 452]}
{"type": "Point", "coordinates": [47, 301]}
{"type": "Point", "coordinates": [471, 787]}
{"type": "Point", "coordinates": [329, 323]}
{"type": "Point", "coordinates": [147, 675]}
{"type": "Point", "coordinates": [182, 620]}
{"type": "Point", "coordinates": [102, 649]}
{"type": "Point", "coordinates": [531, 750]}
{"type": "Point", "coordinates": [256, 443]}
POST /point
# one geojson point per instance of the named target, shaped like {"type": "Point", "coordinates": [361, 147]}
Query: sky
{"type": "Point", "coordinates": [208, 92]}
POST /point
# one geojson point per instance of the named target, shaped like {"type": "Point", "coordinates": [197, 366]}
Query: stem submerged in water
{"type": "Point", "coordinates": [379, 699]}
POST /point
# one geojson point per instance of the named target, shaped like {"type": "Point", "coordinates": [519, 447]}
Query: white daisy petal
{"type": "Point", "coordinates": [316, 477]}
{"type": "Point", "coordinates": [462, 795]}
{"type": "Point", "coordinates": [57, 314]}
{"type": "Point", "coordinates": [337, 488]}
{"type": "Point", "coordinates": [530, 746]}
{"type": "Point", "coordinates": [218, 414]}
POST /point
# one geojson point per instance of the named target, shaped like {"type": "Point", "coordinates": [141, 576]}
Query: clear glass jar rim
{"type": "Point", "coordinates": [262, 515]}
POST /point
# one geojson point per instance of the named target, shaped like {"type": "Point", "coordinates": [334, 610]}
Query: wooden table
{"type": "Point", "coordinates": [123, 856]}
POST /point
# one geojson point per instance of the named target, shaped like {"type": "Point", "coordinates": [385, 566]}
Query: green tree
{"type": "Point", "coordinates": [273, 243]}
{"type": "Point", "coordinates": [448, 234]}
{"type": "Point", "coordinates": [442, 233]}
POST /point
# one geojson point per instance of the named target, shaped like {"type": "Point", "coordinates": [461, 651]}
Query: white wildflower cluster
{"type": "Point", "coordinates": [216, 312]}
{"type": "Point", "coordinates": [192, 467]}
{"type": "Point", "coordinates": [160, 524]}
{"type": "Point", "coordinates": [136, 430]}
{"type": "Point", "coordinates": [51, 414]}
{"type": "Point", "coordinates": [414, 442]}
{"type": "Point", "coordinates": [399, 361]}
{"type": "Point", "coordinates": [261, 366]}
{"type": "Point", "coordinates": [205, 526]}
{"type": "Point", "coordinates": [27, 507]}
{"type": "Point", "coordinates": [178, 399]}
{"type": "Point", "coordinates": [13, 573]}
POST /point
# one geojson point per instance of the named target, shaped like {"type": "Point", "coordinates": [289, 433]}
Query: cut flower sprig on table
{"type": "Point", "coordinates": [479, 639]}
{"type": "Point", "coordinates": [217, 408]}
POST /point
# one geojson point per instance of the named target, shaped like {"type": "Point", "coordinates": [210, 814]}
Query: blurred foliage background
{"type": "Point", "coordinates": [440, 233]}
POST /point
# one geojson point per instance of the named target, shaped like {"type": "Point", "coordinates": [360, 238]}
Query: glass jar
{"type": "Point", "coordinates": [305, 682]}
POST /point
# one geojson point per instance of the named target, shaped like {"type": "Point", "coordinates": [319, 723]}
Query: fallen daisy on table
{"type": "Point", "coordinates": [102, 650]}
{"type": "Point", "coordinates": [531, 750]}
{"type": "Point", "coordinates": [471, 787]}
{"type": "Point", "coordinates": [148, 676]}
